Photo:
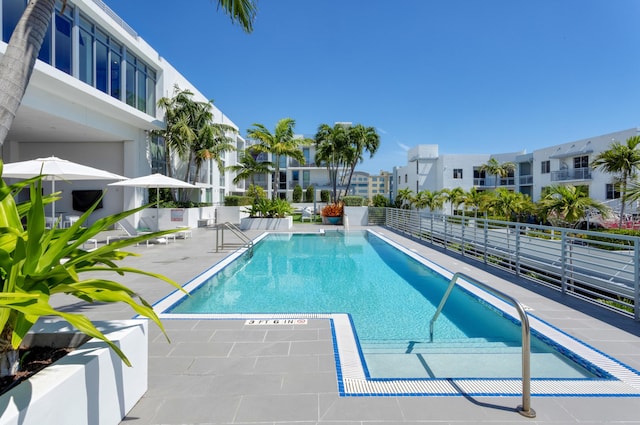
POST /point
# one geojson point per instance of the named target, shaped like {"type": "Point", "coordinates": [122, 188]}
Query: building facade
{"type": "Point", "coordinates": [92, 100]}
{"type": "Point", "coordinates": [567, 163]}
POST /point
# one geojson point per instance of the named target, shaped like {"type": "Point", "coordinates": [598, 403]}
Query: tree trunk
{"type": "Point", "coordinates": [16, 66]}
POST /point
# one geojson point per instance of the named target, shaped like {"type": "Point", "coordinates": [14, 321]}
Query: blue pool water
{"type": "Point", "coordinates": [390, 296]}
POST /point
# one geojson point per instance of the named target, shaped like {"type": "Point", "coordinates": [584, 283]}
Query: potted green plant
{"type": "Point", "coordinates": [37, 263]}
{"type": "Point", "coordinates": [268, 214]}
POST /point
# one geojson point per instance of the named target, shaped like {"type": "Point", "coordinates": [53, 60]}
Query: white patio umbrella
{"type": "Point", "coordinates": [156, 181]}
{"type": "Point", "coordinates": [53, 168]}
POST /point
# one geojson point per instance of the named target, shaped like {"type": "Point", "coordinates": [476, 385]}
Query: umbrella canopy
{"type": "Point", "coordinates": [53, 168]}
{"type": "Point", "coordinates": [156, 181]}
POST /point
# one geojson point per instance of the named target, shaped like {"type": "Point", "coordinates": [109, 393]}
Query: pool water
{"type": "Point", "coordinates": [391, 298]}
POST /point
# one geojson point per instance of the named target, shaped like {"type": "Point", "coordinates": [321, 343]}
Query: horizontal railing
{"type": "Point", "coordinates": [600, 267]}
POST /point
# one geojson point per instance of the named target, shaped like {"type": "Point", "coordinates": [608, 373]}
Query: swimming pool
{"type": "Point", "coordinates": [385, 337]}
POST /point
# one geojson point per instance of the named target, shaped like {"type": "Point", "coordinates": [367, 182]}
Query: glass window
{"type": "Point", "coordinates": [63, 48]}
{"type": "Point", "coordinates": [545, 167]}
{"type": "Point", "coordinates": [612, 191]}
{"type": "Point", "coordinates": [141, 92]}
{"type": "Point", "coordinates": [86, 57]}
{"type": "Point", "coordinates": [151, 92]}
{"type": "Point", "coordinates": [581, 161]}
{"type": "Point", "coordinates": [130, 85]}
{"type": "Point", "coordinates": [102, 67]}
{"type": "Point", "coordinates": [115, 62]}
{"type": "Point", "coordinates": [306, 177]}
{"type": "Point", "coordinates": [457, 173]}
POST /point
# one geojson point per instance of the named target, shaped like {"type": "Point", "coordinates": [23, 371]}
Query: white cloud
{"type": "Point", "coordinates": [403, 146]}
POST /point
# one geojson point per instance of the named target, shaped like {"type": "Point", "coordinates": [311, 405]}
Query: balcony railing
{"type": "Point", "coordinates": [526, 180]}
{"type": "Point", "coordinates": [575, 174]}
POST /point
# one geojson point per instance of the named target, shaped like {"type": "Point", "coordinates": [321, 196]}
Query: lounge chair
{"type": "Point", "coordinates": [307, 214]}
{"type": "Point", "coordinates": [131, 232]}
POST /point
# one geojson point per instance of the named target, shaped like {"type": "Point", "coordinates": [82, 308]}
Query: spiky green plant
{"type": "Point", "coordinates": [37, 263]}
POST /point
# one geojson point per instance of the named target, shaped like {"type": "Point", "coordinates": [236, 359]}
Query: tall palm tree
{"type": "Point", "coordinates": [454, 197]}
{"type": "Point", "coordinates": [474, 200]}
{"type": "Point", "coordinates": [361, 139]}
{"type": "Point", "coordinates": [281, 143]}
{"type": "Point", "coordinates": [405, 197]}
{"type": "Point", "coordinates": [18, 61]}
{"type": "Point", "coordinates": [215, 142]}
{"type": "Point", "coordinates": [623, 160]}
{"type": "Point", "coordinates": [333, 150]}
{"type": "Point", "coordinates": [497, 169]}
{"type": "Point", "coordinates": [568, 205]}
{"type": "Point", "coordinates": [247, 167]}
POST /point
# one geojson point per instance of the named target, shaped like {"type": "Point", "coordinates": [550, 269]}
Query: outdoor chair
{"type": "Point", "coordinates": [307, 214]}
{"type": "Point", "coordinates": [131, 232]}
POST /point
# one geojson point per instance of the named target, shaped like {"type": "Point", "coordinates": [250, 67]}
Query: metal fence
{"type": "Point", "coordinates": [602, 268]}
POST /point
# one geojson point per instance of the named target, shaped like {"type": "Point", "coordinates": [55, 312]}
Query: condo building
{"type": "Point", "coordinates": [92, 100]}
{"type": "Point", "coordinates": [566, 163]}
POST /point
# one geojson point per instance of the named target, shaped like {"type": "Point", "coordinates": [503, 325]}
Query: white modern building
{"type": "Point", "coordinates": [567, 163]}
{"type": "Point", "coordinates": [92, 100]}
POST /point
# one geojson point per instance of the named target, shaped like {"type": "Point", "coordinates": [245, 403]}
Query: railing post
{"type": "Point", "coordinates": [636, 280]}
{"type": "Point", "coordinates": [517, 250]}
{"type": "Point", "coordinates": [486, 237]}
{"type": "Point", "coordinates": [462, 227]}
{"type": "Point", "coordinates": [563, 261]}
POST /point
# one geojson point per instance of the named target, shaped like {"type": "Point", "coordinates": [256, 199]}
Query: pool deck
{"type": "Point", "coordinates": [225, 372]}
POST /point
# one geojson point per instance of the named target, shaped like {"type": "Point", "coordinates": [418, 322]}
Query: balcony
{"type": "Point", "coordinates": [526, 180]}
{"type": "Point", "coordinates": [575, 174]}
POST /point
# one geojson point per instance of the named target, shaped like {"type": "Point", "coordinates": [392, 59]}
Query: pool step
{"type": "Point", "coordinates": [470, 345]}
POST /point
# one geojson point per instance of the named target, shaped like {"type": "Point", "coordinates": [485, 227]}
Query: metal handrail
{"type": "Point", "coordinates": [247, 242]}
{"type": "Point", "coordinates": [525, 409]}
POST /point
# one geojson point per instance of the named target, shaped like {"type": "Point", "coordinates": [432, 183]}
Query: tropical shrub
{"type": "Point", "coordinates": [234, 200]}
{"type": "Point", "coordinates": [297, 193]}
{"type": "Point", "coordinates": [310, 194]}
{"type": "Point", "coordinates": [353, 201]}
{"type": "Point", "coordinates": [37, 263]}
{"type": "Point", "coordinates": [255, 192]}
{"type": "Point", "coordinates": [325, 195]}
{"type": "Point", "coordinates": [270, 208]}
{"type": "Point", "coordinates": [380, 201]}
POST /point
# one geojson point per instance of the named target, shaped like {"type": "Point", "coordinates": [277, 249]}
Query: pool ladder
{"type": "Point", "coordinates": [525, 409]}
{"type": "Point", "coordinates": [246, 242]}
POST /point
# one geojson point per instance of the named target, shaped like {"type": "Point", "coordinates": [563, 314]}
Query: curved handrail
{"type": "Point", "coordinates": [525, 409]}
{"type": "Point", "coordinates": [248, 243]}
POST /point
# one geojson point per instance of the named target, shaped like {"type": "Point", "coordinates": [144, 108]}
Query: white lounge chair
{"type": "Point", "coordinates": [307, 214]}
{"type": "Point", "coordinates": [131, 232]}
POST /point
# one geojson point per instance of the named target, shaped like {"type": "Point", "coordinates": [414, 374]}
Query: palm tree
{"type": "Point", "coordinates": [361, 139]}
{"type": "Point", "coordinates": [247, 167]}
{"type": "Point", "coordinates": [454, 197]}
{"type": "Point", "coordinates": [281, 143]}
{"type": "Point", "coordinates": [623, 160]}
{"type": "Point", "coordinates": [18, 61]}
{"type": "Point", "coordinates": [215, 142]}
{"type": "Point", "coordinates": [333, 150]}
{"type": "Point", "coordinates": [474, 200]}
{"type": "Point", "coordinates": [405, 198]}
{"type": "Point", "coordinates": [497, 169]}
{"type": "Point", "coordinates": [568, 205]}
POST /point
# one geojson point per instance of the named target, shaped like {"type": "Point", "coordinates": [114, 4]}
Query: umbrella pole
{"type": "Point", "coordinates": [157, 208]}
{"type": "Point", "coordinates": [53, 204]}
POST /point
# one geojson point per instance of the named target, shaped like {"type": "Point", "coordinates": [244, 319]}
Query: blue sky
{"type": "Point", "coordinates": [473, 76]}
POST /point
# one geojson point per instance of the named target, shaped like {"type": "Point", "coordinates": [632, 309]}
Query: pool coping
{"type": "Point", "coordinates": [353, 378]}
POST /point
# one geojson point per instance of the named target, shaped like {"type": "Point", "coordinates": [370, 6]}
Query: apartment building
{"type": "Point", "coordinates": [92, 100]}
{"type": "Point", "coordinates": [566, 163]}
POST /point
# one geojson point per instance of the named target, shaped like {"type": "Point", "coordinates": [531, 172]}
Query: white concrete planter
{"type": "Point", "coordinates": [259, 223]}
{"type": "Point", "coordinates": [357, 216]}
{"type": "Point", "coordinates": [232, 215]}
{"type": "Point", "coordinates": [90, 385]}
